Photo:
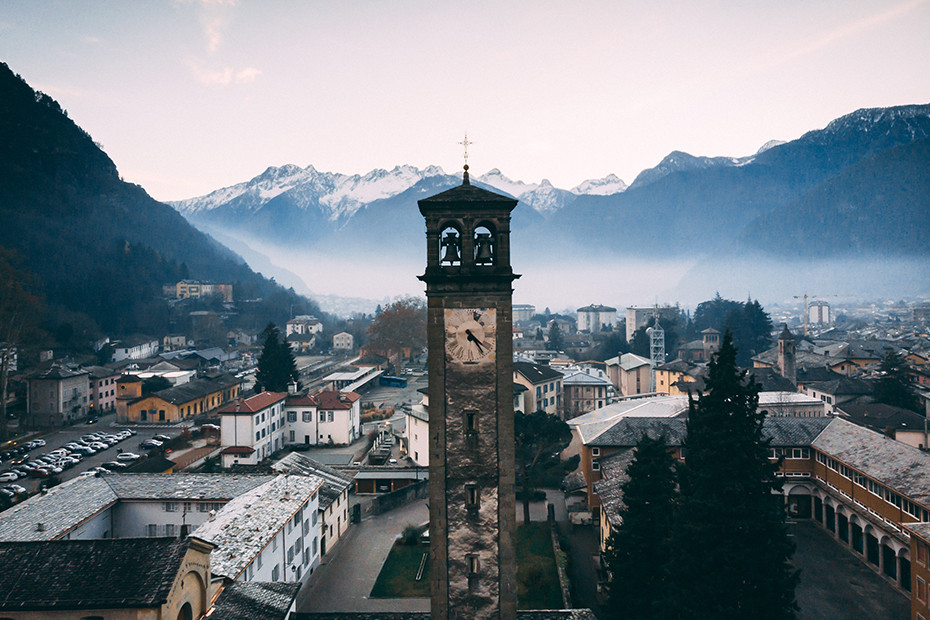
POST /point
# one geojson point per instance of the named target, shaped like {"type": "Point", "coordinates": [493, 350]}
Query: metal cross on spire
{"type": "Point", "coordinates": [465, 143]}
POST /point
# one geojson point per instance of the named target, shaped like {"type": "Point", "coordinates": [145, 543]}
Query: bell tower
{"type": "Point", "coordinates": [469, 291]}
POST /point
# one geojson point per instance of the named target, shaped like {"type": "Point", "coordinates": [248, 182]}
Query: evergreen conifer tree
{"type": "Point", "coordinates": [638, 552]}
{"type": "Point", "coordinates": [730, 548]}
{"type": "Point", "coordinates": [894, 387]}
{"type": "Point", "coordinates": [276, 366]}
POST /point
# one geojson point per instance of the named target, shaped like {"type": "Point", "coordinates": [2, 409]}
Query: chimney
{"type": "Point", "coordinates": [40, 527]}
{"type": "Point", "coordinates": [292, 387]}
{"type": "Point", "coordinates": [212, 515]}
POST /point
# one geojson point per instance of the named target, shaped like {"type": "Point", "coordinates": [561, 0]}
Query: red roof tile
{"type": "Point", "coordinates": [254, 404]}
{"type": "Point", "coordinates": [336, 400]}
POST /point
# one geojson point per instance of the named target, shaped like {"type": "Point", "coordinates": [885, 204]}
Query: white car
{"type": "Point", "coordinates": [8, 476]}
{"type": "Point", "coordinates": [127, 456]}
{"type": "Point", "coordinates": [98, 446]}
{"type": "Point", "coordinates": [38, 442]}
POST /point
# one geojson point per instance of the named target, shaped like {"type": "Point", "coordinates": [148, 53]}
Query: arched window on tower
{"type": "Point", "coordinates": [450, 247]}
{"type": "Point", "coordinates": [484, 246]}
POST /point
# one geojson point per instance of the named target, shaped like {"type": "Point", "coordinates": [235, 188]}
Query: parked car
{"type": "Point", "coordinates": [129, 430]}
{"type": "Point", "coordinates": [114, 465]}
{"type": "Point", "coordinates": [128, 456]}
{"type": "Point", "coordinates": [39, 473]}
{"type": "Point", "coordinates": [38, 443]}
{"type": "Point", "coordinates": [15, 488]}
{"type": "Point", "coordinates": [7, 493]}
{"type": "Point", "coordinates": [8, 476]}
{"type": "Point", "coordinates": [98, 446]}
{"type": "Point", "coordinates": [162, 438]}
{"type": "Point", "coordinates": [149, 444]}
{"type": "Point", "coordinates": [98, 470]}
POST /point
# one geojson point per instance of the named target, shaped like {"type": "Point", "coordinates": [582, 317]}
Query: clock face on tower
{"type": "Point", "coordinates": [471, 334]}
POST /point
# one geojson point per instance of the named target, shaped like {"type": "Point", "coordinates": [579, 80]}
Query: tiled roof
{"type": "Point", "coordinates": [609, 488]}
{"type": "Point", "coordinates": [580, 377]}
{"type": "Point", "coordinates": [591, 424]}
{"type": "Point", "coordinates": [300, 400]}
{"type": "Point", "coordinates": [336, 400]}
{"type": "Point", "coordinates": [536, 373]}
{"type": "Point", "coordinates": [334, 482]}
{"type": "Point", "coordinates": [247, 524]}
{"type": "Point", "coordinates": [793, 432]}
{"type": "Point", "coordinates": [897, 465]}
{"type": "Point", "coordinates": [255, 600]}
{"type": "Point", "coordinates": [843, 386]}
{"type": "Point", "coordinates": [56, 373]}
{"type": "Point", "coordinates": [60, 509]}
{"type": "Point", "coordinates": [107, 573]}
{"type": "Point", "coordinates": [627, 432]}
{"type": "Point", "coordinates": [198, 388]}
{"type": "Point", "coordinates": [253, 404]}
{"type": "Point", "coordinates": [629, 361]}
{"type": "Point", "coordinates": [879, 416]}
{"type": "Point", "coordinates": [184, 486]}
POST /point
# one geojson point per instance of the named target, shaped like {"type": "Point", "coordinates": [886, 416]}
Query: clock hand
{"type": "Point", "coordinates": [472, 338]}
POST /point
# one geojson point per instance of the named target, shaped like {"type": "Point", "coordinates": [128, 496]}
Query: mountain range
{"type": "Point", "coordinates": [864, 177]}
{"type": "Point", "coordinates": [101, 249]}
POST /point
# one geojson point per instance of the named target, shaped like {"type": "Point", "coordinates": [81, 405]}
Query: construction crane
{"type": "Point", "coordinates": [805, 297]}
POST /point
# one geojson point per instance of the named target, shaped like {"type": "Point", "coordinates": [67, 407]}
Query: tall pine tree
{"type": "Point", "coordinates": [276, 366]}
{"type": "Point", "coordinates": [638, 552]}
{"type": "Point", "coordinates": [730, 548]}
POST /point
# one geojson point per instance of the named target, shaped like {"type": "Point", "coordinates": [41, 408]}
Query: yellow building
{"type": "Point", "coordinates": [174, 404]}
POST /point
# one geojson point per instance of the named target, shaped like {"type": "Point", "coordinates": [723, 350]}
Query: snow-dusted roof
{"type": "Point", "coordinates": [244, 526]}
{"type": "Point", "coordinates": [592, 424]}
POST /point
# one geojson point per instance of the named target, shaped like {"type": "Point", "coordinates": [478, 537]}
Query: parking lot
{"type": "Point", "coordinates": [57, 438]}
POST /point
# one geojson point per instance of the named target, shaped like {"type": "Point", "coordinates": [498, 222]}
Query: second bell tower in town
{"type": "Point", "coordinates": [469, 292]}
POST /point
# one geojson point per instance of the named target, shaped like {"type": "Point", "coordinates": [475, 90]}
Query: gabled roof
{"type": "Point", "coordinates": [56, 373]}
{"type": "Point", "coordinates": [123, 573]}
{"type": "Point", "coordinates": [629, 361]}
{"type": "Point", "coordinates": [879, 416]}
{"type": "Point", "coordinates": [842, 386]}
{"type": "Point", "coordinates": [536, 373]}
{"type": "Point", "coordinates": [300, 400]}
{"type": "Point", "coordinates": [198, 388]}
{"type": "Point", "coordinates": [591, 425]}
{"type": "Point", "coordinates": [336, 400]}
{"type": "Point", "coordinates": [255, 600]}
{"type": "Point", "coordinates": [253, 404]}
{"type": "Point", "coordinates": [334, 482]}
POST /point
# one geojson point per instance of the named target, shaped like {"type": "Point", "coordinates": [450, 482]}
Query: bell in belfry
{"type": "Point", "coordinates": [450, 248]}
{"type": "Point", "coordinates": [484, 249]}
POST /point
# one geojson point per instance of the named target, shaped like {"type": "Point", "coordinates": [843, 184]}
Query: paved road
{"type": "Point", "coordinates": [344, 580]}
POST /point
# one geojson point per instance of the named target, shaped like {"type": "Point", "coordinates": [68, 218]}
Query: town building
{"type": "Point", "coordinates": [196, 289]}
{"type": "Point", "coordinates": [523, 313]}
{"type": "Point", "coordinates": [303, 325]}
{"type": "Point", "coordinates": [253, 428]}
{"type": "Point", "coordinates": [57, 396]}
{"type": "Point", "coordinates": [596, 318]}
{"type": "Point", "coordinates": [637, 317]}
{"type": "Point", "coordinates": [176, 403]}
{"type": "Point", "coordinates": [102, 389]}
{"type": "Point", "coordinates": [585, 390]}
{"type": "Point", "coordinates": [630, 374]}
{"type": "Point", "coordinates": [105, 578]}
{"type": "Point", "coordinates": [137, 348]}
{"type": "Point", "coordinates": [334, 495]}
{"type": "Point", "coordinates": [343, 341]}
{"type": "Point", "coordinates": [869, 491]}
{"type": "Point", "coordinates": [268, 533]}
{"type": "Point", "coordinates": [543, 385]}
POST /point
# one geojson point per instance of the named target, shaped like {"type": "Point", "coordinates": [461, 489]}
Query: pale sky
{"type": "Point", "coordinates": [189, 96]}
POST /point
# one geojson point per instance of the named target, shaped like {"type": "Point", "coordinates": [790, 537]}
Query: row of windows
{"type": "Point", "coordinates": [189, 506]}
{"type": "Point", "coordinates": [790, 453]}
{"type": "Point", "coordinates": [875, 488]}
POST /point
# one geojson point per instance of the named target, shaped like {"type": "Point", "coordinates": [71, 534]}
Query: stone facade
{"type": "Point", "coordinates": [471, 444]}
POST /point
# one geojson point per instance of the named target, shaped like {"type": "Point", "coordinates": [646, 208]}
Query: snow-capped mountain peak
{"type": "Point", "coordinates": [611, 184]}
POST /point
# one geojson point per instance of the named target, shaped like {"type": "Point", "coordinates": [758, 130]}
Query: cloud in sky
{"type": "Point", "coordinates": [844, 31]}
{"type": "Point", "coordinates": [223, 77]}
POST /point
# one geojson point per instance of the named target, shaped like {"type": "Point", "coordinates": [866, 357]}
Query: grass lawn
{"type": "Point", "coordinates": [537, 579]}
{"type": "Point", "coordinates": [398, 576]}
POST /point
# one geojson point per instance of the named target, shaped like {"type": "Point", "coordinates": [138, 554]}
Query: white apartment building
{"type": "Point", "coordinates": [254, 428]}
{"type": "Point", "coordinates": [596, 318]}
{"type": "Point", "coordinates": [343, 341]}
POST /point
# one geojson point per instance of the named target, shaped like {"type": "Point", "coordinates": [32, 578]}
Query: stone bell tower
{"type": "Point", "coordinates": [471, 433]}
